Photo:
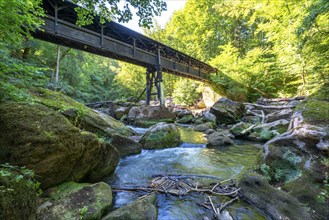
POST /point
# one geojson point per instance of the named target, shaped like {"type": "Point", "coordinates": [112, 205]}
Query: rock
{"type": "Point", "coordinates": [18, 195]}
{"type": "Point", "coordinates": [185, 119]}
{"type": "Point", "coordinates": [80, 115]}
{"type": "Point", "coordinates": [107, 164]}
{"type": "Point", "coordinates": [227, 111]}
{"type": "Point", "coordinates": [252, 119]}
{"type": "Point", "coordinates": [138, 210]}
{"type": "Point", "coordinates": [275, 203]}
{"type": "Point", "coordinates": [267, 131]}
{"type": "Point", "coordinates": [183, 113]}
{"type": "Point", "coordinates": [277, 115]}
{"type": "Point", "coordinates": [209, 96]}
{"type": "Point", "coordinates": [121, 111]}
{"type": "Point", "coordinates": [161, 135]}
{"type": "Point", "coordinates": [209, 117]}
{"type": "Point", "coordinates": [43, 140]}
{"type": "Point", "coordinates": [76, 201]}
{"type": "Point", "coordinates": [241, 129]}
{"type": "Point", "coordinates": [218, 139]}
{"type": "Point", "coordinates": [203, 127]}
{"type": "Point", "coordinates": [146, 116]}
{"type": "Point", "coordinates": [209, 131]}
{"type": "Point", "coordinates": [126, 146]}
{"type": "Point", "coordinates": [99, 123]}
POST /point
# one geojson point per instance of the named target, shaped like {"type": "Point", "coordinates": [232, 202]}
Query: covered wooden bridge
{"type": "Point", "coordinates": [118, 42]}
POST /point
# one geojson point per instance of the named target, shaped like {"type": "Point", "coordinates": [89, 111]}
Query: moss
{"type": "Point", "coordinates": [76, 201]}
{"type": "Point", "coordinates": [315, 111]}
{"type": "Point", "coordinates": [18, 193]}
{"type": "Point", "coordinates": [273, 202]}
{"type": "Point", "coordinates": [150, 122]}
{"type": "Point", "coordinates": [161, 136]}
{"type": "Point", "coordinates": [139, 210]}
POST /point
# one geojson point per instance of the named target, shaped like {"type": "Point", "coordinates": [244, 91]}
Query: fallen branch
{"type": "Point", "coordinates": [269, 106]}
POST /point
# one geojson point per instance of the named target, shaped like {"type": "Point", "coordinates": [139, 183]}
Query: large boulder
{"type": "Point", "coordinates": [146, 116]}
{"type": "Point", "coordinates": [227, 111]}
{"type": "Point", "coordinates": [126, 146]}
{"type": "Point", "coordinates": [107, 164]}
{"type": "Point", "coordinates": [161, 135]}
{"type": "Point", "coordinates": [80, 115]}
{"type": "Point", "coordinates": [18, 195]}
{"type": "Point", "coordinates": [75, 201]}
{"type": "Point", "coordinates": [275, 203]}
{"type": "Point", "coordinates": [42, 139]}
{"type": "Point", "coordinates": [203, 127]}
{"type": "Point", "coordinates": [144, 209]}
{"type": "Point", "coordinates": [121, 111]}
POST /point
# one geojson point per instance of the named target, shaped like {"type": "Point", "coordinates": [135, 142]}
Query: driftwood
{"type": "Point", "coordinates": [262, 100]}
{"type": "Point", "coordinates": [269, 106]}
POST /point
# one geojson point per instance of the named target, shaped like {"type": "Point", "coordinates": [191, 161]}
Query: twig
{"type": "Point", "coordinates": [227, 204]}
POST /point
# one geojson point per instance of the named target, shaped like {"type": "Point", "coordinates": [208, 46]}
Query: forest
{"type": "Point", "coordinates": [78, 141]}
{"type": "Point", "coordinates": [261, 49]}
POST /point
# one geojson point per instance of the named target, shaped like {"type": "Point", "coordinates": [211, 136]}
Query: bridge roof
{"type": "Point", "coordinates": [126, 35]}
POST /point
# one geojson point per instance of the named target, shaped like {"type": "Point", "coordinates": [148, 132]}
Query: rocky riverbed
{"type": "Point", "coordinates": [72, 149]}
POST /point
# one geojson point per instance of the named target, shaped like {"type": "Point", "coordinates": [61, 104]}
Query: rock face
{"type": "Point", "coordinates": [273, 202]}
{"type": "Point", "coordinates": [161, 135]}
{"type": "Point", "coordinates": [76, 201]}
{"type": "Point", "coordinates": [45, 141]}
{"type": "Point", "coordinates": [146, 116]}
{"type": "Point", "coordinates": [139, 210]}
{"type": "Point", "coordinates": [18, 196]}
{"type": "Point", "coordinates": [227, 111]}
{"type": "Point", "coordinates": [126, 146]}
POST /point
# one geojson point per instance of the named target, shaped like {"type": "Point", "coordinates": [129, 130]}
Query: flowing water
{"type": "Point", "coordinates": [191, 157]}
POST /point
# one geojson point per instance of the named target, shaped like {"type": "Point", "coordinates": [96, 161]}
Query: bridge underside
{"type": "Point", "coordinates": [118, 42]}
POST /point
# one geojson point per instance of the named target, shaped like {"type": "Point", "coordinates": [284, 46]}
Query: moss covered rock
{"type": "Point", "coordinates": [161, 135]}
{"type": "Point", "coordinates": [146, 116]}
{"type": "Point", "coordinates": [143, 209]}
{"type": "Point", "coordinates": [75, 201]}
{"type": "Point", "coordinates": [204, 126]}
{"type": "Point", "coordinates": [275, 203]}
{"type": "Point", "coordinates": [42, 139]}
{"type": "Point", "coordinates": [80, 115]}
{"type": "Point", "coordinates": [18, 193]}
{"type": "Point", "coordinates": [227, 111]}
{"type": "Point", "coordinates": [240, 129]}
{"type": "Point", "coordinates": [107, 164]}
{"type": "Point", "coordinates": [126, 146]}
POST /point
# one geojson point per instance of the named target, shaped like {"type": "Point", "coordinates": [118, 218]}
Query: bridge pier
{"type": "Point", "coordinates": [154, 79]}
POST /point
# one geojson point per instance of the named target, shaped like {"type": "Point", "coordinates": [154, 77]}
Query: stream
{"type": "Point", "coordinates": [191, 157]}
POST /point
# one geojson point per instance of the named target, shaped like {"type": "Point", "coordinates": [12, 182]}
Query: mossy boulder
{"type": "Point", "coordinates": [161, 135]}
{"type": "Point", "coordinates": [80, 115]}
{"type": "Point", "coordinates": [240, 129]}
{"type": "Point", "coordinates": [227, 111]}
{"type": "Point", "coordinates": [217, 138]}
{"type": "Point", "coordinates": [275, 203]}
{"type": "Point", "coordinates": [146, 116]}
{"type": "Point", "coordinates": [126, 146]}
{"type": "Point", "coordinates": [144, 209]}
{"type": "Point", "coordinates": [18, 193]}
{"type": "Point", "coordinates": [42, 139]}
{"type": "Point", "coordinates": [204, 126]}
{"type": "Point", "coordinates": [107, 164]}
{"type": "Point", "coordinates": [75, 201]}
{"type": "Point", "coordinates": [186, 119]}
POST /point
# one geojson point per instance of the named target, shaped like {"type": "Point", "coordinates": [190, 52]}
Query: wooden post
{"type": "Point", "coordinates": [57, 67]}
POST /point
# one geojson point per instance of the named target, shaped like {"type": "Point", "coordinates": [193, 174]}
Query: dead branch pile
{"type": "Point", "coordinates": [181, 185]}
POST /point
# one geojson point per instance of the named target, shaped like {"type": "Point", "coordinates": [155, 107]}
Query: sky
{"type": "Point", "coordinates": [172, 5]}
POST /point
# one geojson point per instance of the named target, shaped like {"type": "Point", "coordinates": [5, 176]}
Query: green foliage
{"type": "Point", "coordinates": [20, 174]}
{"type": "Point", "coordinates": [83, 211]}
{"type": "Point", "coordinates": [186, 92]}
{"type": "Point", "coordinates": [110, 9]}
